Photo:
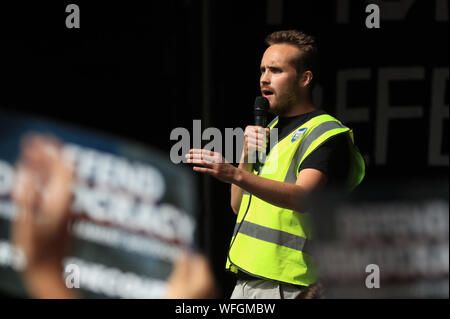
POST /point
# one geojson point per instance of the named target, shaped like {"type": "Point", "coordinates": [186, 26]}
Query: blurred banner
{"type": "Point", "coordinates": [388, 240]}
{"type": "Point", "coordinates": [134, 211]}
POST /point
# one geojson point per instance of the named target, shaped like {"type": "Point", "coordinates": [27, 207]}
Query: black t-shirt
{"type": "Point", "coordinates": [331, 158]}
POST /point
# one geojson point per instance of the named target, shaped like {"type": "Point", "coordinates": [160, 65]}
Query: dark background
{"type": "Point", "coordinates": [139, 70]}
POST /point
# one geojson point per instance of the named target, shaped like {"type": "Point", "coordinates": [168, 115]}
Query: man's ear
{"type": "Point", "coordinates": [305, 78]}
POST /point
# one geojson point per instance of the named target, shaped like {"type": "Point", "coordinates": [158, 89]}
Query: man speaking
{"type": "Point", "coordinates": [269, 248]}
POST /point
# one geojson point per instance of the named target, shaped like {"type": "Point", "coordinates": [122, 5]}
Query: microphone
{"type": "Point", "coordinates": [260, 111]}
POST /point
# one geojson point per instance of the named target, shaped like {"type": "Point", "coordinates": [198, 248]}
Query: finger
{"type": "Point", "coordinates": [257, 141]}
{"type": "Point", "coordinates": [24, 188]}
{"type": "Point", "coordinates": [199, 156]}
{"type": "Point", "coordinates": [202, 151]}
{"type": "Point", "coordinates": [259, 135]}
{"type": "Point", "coordinates": [208, 155]}
{"type": "Point", "coordinates": [57, 197]}
{"type": "Point", "coordinates": [201, 163]}
{"type": "Point", "coordinates": [24, 196]}
{"type": "Point", "coordinates": [203, 170]}
{"type": "Point", "coordinates": [259, 147]}
{"type": "Point", "coordinates": [18, 183]}
{"type": "Point", "coordinates": [55, 178]}
{"type": "Point", "coordinates": [262, 141]}
{"type": "Point", "coordinates": [206, 158]}
{"type": "Point", "coordinates": [250, 128]}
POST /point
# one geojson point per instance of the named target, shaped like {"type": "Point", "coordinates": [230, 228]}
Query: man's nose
{"type": "Point", "coordinates": [265, 79]}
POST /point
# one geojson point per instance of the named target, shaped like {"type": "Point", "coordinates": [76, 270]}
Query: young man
{"type": "Point", "coordinates": [269, 248]}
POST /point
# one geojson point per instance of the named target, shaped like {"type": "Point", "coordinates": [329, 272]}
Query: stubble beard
{"type": "Point", "coordinates": [283, 105]}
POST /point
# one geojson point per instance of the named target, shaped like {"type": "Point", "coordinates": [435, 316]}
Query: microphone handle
{"type": "Point", "coordinates": [260, 120]}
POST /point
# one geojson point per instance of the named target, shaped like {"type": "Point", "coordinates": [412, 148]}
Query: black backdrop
{"type": "Point", "coordinates": [139, 70]}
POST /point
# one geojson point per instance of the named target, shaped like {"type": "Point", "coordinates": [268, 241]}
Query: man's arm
{"type": "Point", "coordinates": [236, 191]}
{"type": "Point", "coordinates": [286, 195]}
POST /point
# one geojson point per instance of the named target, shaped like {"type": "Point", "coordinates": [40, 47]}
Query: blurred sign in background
{"type": "Point", "coordinates": [134, 210]}
{"type": "Point", "coordinates": [388, 240]}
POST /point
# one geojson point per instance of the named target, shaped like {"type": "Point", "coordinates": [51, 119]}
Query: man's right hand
{"type": "Point", "coordinates": [255, 139]}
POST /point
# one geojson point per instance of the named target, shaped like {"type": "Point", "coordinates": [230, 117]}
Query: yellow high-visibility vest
{"type": "Point", "coordinates": [271, 242]}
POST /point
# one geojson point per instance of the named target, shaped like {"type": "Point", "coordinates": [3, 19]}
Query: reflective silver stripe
{"type": "Point", "coordinates": [271, 235]}
{"type": "Point", "coordinates": [291, 175]}
{"type": "Point", "coordinates": [273, 121]}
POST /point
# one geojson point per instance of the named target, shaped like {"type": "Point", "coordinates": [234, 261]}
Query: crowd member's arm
{"type": "Point", "coordinates": [42, 194]}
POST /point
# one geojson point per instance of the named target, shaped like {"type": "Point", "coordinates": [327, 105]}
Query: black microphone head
{"type": "Point", "coordinates": [261, 105]}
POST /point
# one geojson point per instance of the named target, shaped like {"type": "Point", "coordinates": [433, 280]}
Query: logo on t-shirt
{"type": "Point", "coordinates": [297, 134]}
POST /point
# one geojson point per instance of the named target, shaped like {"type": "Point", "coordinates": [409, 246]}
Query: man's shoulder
{"type": "Point", "coordinates": [319, 116]}
{"type": "Point", "coordinates": [331, 156]}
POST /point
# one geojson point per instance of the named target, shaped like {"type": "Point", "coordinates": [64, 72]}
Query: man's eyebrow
{"type": "Point", "coordinates": [270, 67]}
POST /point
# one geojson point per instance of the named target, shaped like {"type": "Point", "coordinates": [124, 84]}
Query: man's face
{"type": "Point", "coordinates": [279, 81]}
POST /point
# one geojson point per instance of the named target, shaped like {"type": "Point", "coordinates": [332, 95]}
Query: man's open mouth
{"type": "Point", "coordinates": [267, 92]}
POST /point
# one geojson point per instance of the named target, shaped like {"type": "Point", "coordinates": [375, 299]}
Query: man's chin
{"type": "Point", "coordinates": [274, 112]}
{"type": "Point", "coordinates": [275, 109]}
